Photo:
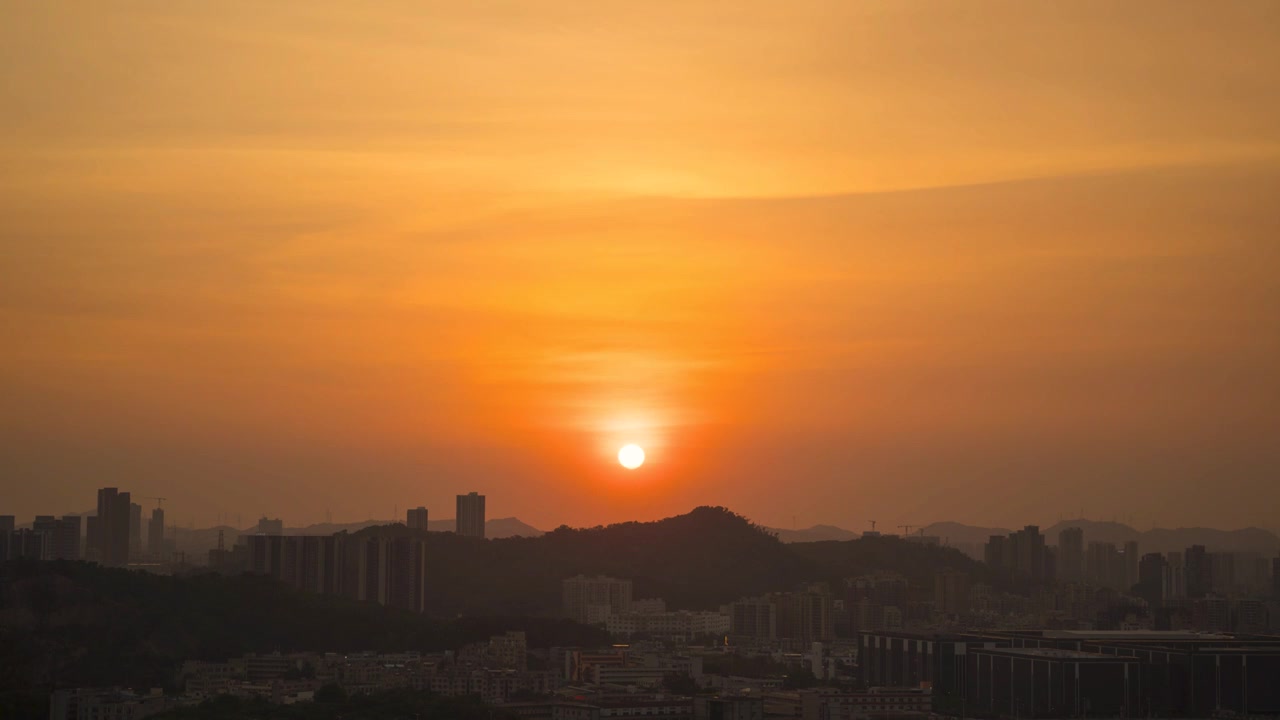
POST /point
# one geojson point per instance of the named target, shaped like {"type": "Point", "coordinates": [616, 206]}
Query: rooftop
{"type": "Point", "coordinates": [1050, 653]}
{"type": "Point", "coordinates": [1134, 635]}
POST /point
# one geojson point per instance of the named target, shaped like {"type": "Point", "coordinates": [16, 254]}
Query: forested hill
{"type": "Point", "coordinates": [699, 560]}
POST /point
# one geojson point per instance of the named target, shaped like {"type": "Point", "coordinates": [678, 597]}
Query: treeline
{"type": "Point", "coordinates": [333, 704]}
{"type": "Point", "coordinates": [78, 624]}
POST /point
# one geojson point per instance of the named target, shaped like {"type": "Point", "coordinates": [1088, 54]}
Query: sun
{"type": "Point", "coordinates": [631, 456]}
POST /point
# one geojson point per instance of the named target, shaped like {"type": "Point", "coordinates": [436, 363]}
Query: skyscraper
{"type": "Point", "coordinates": [1131, 560]}
{"type": "Point", "coordinates": [417, 518]}
{"type": "Point", "coordinates": [62, 536]}
{"type": "Point", "coordinates": [66, 539]}
{"type": "Point", "coordinates": [1071, 554]}
{"type": "Point", "coordinates": [1153, 579]}
{"type": "Point", "coordinates": [109, 529]}
{"type": "Point", "coordinates": [25, 543]}
{"type": "Point", "coordinates": [1199, 573]}
{"type": "Point", "coordinates": [996, 552]}
{"type": "Point", "coordinates": [470, 516]}
{"type": "Point", "coordinates": [135, 530]}
{"type": "Point", "coordinates": [1105, 566]}
{"type": "Point", "coordinates": [386, 568]}
{"type": "Point", "coordinates": [45, 524]}
{"type": "Point", "coordinates": [951, 592]}
{"type": "Point", "coordinates": [155, 535]}
{"type": "Point", "coordinates": [7, 523]}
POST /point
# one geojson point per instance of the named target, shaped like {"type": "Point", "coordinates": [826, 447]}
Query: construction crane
{"type": "Point", "coordinates": [159, 500]}
{"type": "Point", "coordinates": [906, 529]}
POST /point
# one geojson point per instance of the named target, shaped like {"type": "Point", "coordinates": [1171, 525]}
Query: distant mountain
{"type": "Point", "coordinates": [1169, 540]}
{"type": "Point", "coordinates": [198, 542]}
{"type": "Point", "coordinates": [496, 528]}
{"type": "Point", "coordinates": [817, 533]}
{"type": "Point", "coordinates": [1095, 531]}
{"type": "Point", "coordinates": [954, 533]}
{"type": "Point", "coordinates": [1246, 540]}
{"type": "Point", "coordinates": [1157, 540]}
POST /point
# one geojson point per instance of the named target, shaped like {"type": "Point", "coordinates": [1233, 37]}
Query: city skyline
{"type": "Point", "coordinates": [248, 520]}
{"type": "Point", "coordinates": [613, 360]}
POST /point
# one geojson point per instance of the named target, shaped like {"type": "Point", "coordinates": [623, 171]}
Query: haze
{"type": "Point", "coordinates": [841, 260]}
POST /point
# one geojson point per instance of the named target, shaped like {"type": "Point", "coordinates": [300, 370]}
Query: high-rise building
{"type": "Point", "coordinates": [1199, 572]}
{"type": "Point", "coordinates": [319, 563]}
{"type": "Point", "coordinates": [270, 526]}
{"type": "Point", "coordinates": [996, 551]}
{"type": "Point", "coordinates": [755, 617]}
{"type": "Point", "coordinates": [25, 543]}
{"type": "Point", "coordinates": [1275, 577]}
{"type": "Point", "coordinates": [47, 524]}
{"type": "Point", "coordinates": [386, 568]}
{"type": "Point", "coordinates": [951, 593]}
{"type": "Point", "coordinates": [1029, 553]}
{"type": "Point", "coordinates": [1153, 579]}
{"type": "Point", "coordinates": [1222, 571]}
{"type": "Point", "coordinates": [417, 518]}
{"type": "Point", "coordinates": [805, 616]}
{"type": "Point", "coordinates": [155, 535]}
{"type": "Point", "coordinates": [66, 540]}
{"type": "Point", "coordinates": [470, 516]}
{"type": "Point", "coordinates": [1177, 586]}
{"type": "Point", "coordinates": [1131, 560]}
{"type": "Point", "coordinates": [1071, 554]}
{"type": "Point", "coordinates": [109, 529]}
{"type": "Point", "coordinates": [407, 581]}
{"type": "Point", "coordinates": [135, 530]}
{"type": "Point", "coordinates": [62, 536]}
{"type": "Point", "coordinates": [591, 600]}
{"type": "Point", "coordinates": [1104, 565]}
{"type": "Point", "coordinates": [308, 562]}
{"type": "Point", "coordinates": [7, 523]}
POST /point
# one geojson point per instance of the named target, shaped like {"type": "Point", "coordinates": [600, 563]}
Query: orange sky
{"type": "Point", "coordinates": [842, 260]}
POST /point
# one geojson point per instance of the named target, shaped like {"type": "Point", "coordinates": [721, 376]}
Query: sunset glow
{"type": "Point", "coordinates": [830, 259]}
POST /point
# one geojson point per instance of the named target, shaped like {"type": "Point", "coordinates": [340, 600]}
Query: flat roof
{"type": "Point", "coordinates": [1136, 635]}
{"type": "Point", "coordinates": [1056, 654]}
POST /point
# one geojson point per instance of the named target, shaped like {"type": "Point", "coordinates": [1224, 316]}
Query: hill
{"type": "Point", "coordinates": [918, 562]}
{"type": "Point", "coordinates": [699, 560]}
{"type": "Point", "coordinates": [692, 561]}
